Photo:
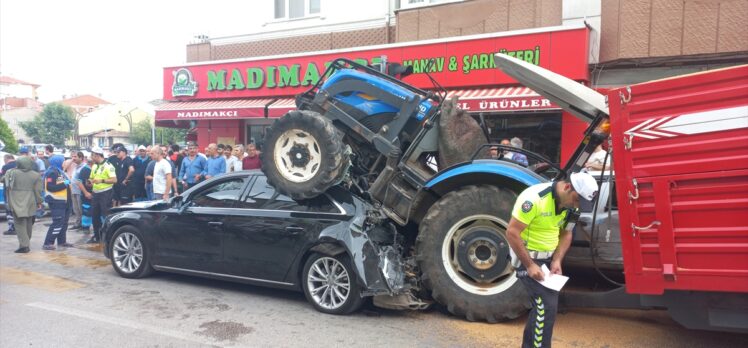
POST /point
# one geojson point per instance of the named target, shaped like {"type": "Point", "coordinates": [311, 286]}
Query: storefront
{"type": "Point", "coordinates": [231, 102]}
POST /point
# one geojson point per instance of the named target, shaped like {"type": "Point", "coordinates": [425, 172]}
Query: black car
{"type": "Point", "coordinates": [335, 247]}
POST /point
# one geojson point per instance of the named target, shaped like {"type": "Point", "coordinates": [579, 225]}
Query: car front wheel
{"type": "Point", "coordinates": [129, 253]}
{"type": "Point", "coordinates": [330, 284]}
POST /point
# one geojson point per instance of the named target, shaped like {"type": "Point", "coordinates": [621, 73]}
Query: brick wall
{"type": "Point", "coordinates": [662, 28]}
{"type": "Point", "coordinates": [476, 17]}
{"type": "Point", "coordinates": [289, 45]}
{"type": "Point", "coordinates": [448, 20]}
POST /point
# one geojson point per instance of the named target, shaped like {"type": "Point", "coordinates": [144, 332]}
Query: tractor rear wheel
{"type": "Point", "coordinates": [303, 154]}
{"type": "Point", "coordinates": [463, 254]}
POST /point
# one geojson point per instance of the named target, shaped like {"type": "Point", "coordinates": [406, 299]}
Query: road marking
{"type": "Point", "coordinates": [38, 280]}
{"type": "Point", "coordinates": [182, 336]}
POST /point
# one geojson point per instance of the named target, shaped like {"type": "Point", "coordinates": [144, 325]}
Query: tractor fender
{"type": "Point", "coordinates": [478, 172]}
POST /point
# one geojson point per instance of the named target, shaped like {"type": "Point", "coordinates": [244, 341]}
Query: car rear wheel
{"type": "Point", "coordinates": [129, 254]}
{"type": "Point", "coordinates": [330, 284]}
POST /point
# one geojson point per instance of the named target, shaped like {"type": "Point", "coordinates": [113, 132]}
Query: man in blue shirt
{"type": "Point", "coordinates": [216, 163]}
{"type": "Point", "coordinates": [140, 163]}
{"type": "Point", "coordinates": [516, 156]}
{"type": "Point", "coordinates": [192, 167]}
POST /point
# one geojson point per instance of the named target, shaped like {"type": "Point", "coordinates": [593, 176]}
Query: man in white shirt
{"type": "Point", "coordinates": [161, 174]}
{"type": "Point", "coordinates": [595, 162]}
{"type": "Point", "coordinates": [233, 162]}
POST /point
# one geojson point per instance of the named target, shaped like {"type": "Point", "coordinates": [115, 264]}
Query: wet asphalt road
{"type": "Point", "coordinates": [73, 298]}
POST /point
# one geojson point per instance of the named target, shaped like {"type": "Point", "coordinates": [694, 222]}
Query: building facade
{"type": "Point", "coordinates": [81, 106]}
{"type": "Point", "coordinates": [112, 123]}
{"type": "Point", "coordinates": [623, 42]}
{"type": "Point", "coordinates": [18, 103]}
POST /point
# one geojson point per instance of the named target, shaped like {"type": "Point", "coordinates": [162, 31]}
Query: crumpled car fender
{"type": "Point", "coordinates": [379, 269]}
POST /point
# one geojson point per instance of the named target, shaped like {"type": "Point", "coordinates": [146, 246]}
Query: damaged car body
{"type": "Point", "coordinates": [336, 248]}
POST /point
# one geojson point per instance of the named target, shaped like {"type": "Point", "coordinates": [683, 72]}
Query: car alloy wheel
{"type": "Point", "coordinates": [329, 283]}
{"type": "Point", "coordinates": [127, 252]}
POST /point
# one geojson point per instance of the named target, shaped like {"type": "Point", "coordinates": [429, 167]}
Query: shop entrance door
{"type": "Point", "coordinates": [254, 131]}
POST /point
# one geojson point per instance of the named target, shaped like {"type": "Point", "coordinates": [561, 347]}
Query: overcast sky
{"type": "Point", "coordinates": [115, 49]}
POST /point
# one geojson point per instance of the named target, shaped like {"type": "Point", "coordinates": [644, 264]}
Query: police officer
{"type": "Point", "coordinates": [102, 179]}
{"type": "Point", "coordinates": [537, 236]}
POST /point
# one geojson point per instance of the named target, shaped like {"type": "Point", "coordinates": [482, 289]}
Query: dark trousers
{"type": "Point", "coordinates": [539, 328]}
{"type": "Point", "coordinates": [138, 190]}
{"type": "Point", "coordinates": [100, 205]}
{"type": "Point", "coordinates": [122, 193]}
{"type": "Point", "coordinates": [24, 225]}
{"type": "Point", "coordinates": [58, 229]}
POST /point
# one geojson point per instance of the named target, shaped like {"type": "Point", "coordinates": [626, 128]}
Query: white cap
{"type": "Point", "coordinates": [98, 150]}
{"type": "Point", "coordinates": [141, 147]}
{"type": "Point", "coordinates": [585, 185]}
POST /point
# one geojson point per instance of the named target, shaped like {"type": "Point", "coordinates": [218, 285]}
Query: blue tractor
{"type": "Point", "coordinates": [424, 164]}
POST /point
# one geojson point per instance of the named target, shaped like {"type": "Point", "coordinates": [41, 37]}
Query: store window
{"type": "Point", "coordinates": [290, 9]}
{"type": "Point", "coordinates": [539, 132]}
{"type": "Point", "coordinates": [254, 131]}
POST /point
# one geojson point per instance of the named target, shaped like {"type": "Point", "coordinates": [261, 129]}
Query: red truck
{"type": "Point", "coordinates": [681, 182]}
{"type": "Point", "coordinates": [681, 148]}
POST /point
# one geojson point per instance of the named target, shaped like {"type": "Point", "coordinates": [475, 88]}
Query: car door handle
{"type": "Point", "coordinates": [215, 223]}
{"type": "Point", "coordinates": [294, 229]}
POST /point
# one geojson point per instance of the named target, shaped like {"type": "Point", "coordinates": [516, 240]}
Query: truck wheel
{"type": "Point", "coordinates": [303, 154]}
{"type": "Point", "coordinates": [463, 254]}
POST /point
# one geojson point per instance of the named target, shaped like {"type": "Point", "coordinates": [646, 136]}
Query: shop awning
{"type": "Point", "coordinates": [504, 99]}
{"type": "Point", "coordinates": [212, 109]}
{"type": "Point", "coordinates": [281, 106]}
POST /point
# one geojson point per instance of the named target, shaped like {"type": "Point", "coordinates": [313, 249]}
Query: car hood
{"type": "Point", "coordinates": [581, 101]}
{"type": "Point", "coordinates": [148, 205]}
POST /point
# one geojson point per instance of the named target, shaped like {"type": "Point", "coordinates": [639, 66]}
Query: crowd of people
{"type": "Point", "coordinates": [80, 191]}
{"type": "Point", "coordinates": [517, 157]}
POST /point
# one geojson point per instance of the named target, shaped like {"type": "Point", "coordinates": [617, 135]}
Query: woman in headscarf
{"type": "Point", "coordinates": [57, 186]}
{"type": "Point", "coordinates": [23, 186]}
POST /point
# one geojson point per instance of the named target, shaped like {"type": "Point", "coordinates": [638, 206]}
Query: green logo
{"type": "Point", "coordinates": [183, 84]}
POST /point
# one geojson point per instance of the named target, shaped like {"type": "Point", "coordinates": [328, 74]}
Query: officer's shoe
{"type": "Point", "coordinates": [9, 233]}
{"type": "Point", "coordinates": [93, 240]}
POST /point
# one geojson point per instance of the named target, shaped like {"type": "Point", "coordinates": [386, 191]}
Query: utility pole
{"type": "Point", "coordinates": [128, 118]}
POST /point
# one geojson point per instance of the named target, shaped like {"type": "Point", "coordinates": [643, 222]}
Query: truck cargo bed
{"type": "Point", "coordinates": [680, 150]}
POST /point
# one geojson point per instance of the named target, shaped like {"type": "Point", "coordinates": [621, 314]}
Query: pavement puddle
{"type": "Point", "coordinates": [91, 247]}
{"type": "Point", "coordinates": [37, 280]}
{"type": "Point", "coordinates": [66, 259]}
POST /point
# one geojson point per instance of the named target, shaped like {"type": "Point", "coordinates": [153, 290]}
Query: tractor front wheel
{"type": "Point", "coordinates": [303, 154]}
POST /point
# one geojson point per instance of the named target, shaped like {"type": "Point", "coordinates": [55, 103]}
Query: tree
{"type": "Point", "coordinates": [141, 134]}
{"type": "Point", "coordinates": [167, 135]}
{"type": "Point", "coordinates": [53, 125]}
{"type": "Point", "coordinates": [6, 135]}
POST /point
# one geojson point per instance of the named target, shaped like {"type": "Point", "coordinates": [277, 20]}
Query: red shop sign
{"type": "Point", "coordinates": [458, 64]}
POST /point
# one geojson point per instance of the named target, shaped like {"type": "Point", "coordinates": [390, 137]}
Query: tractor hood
{"type": "Point", "coordinates": [581, 101]}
